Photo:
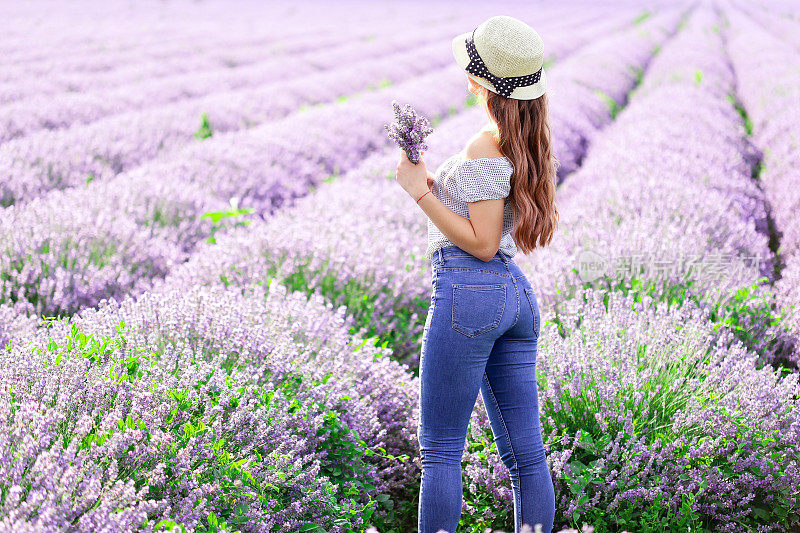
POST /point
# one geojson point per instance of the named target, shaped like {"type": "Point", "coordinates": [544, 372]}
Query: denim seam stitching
{"type": "Point", "coordinates": [508, 436]}
{"type": "Point", "coordinates": [536, 326]}
{"type": "Point", "coordinates": [455, 307]}
{"type": "Point", "coordinates": [468, 269]}
{"type": "Point", "coordinates": [513, 280]}
{"type": "Point", "coordinates": [470, 255]}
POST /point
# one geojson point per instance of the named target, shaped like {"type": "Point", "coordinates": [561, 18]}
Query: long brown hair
{"type": "Point", "coordinates": [525, 139]}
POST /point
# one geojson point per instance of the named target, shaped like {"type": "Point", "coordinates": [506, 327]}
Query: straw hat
{"type": "Point", "coordinates": [505, 55]}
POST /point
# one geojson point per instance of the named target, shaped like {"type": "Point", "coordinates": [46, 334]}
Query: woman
{"type": "Point", "coordinates": [482, 328]}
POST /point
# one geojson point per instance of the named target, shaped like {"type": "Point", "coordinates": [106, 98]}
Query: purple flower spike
{"type": "Point", "coordinates": [409, 130]}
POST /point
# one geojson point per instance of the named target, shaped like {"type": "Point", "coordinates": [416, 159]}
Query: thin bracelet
{"type": "Point", "coordinates": [423, 196]}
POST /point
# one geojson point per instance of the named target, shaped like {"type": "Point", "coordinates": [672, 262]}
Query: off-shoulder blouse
{"type": "Point", "coordinates": [483, 178]}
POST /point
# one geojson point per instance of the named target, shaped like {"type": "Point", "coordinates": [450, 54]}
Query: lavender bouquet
{"type": "Point", "coordinates": [409, 130]}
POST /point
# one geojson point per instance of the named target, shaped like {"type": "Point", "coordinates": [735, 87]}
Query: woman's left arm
{"type": "Point", "coordinates": [478, 235]}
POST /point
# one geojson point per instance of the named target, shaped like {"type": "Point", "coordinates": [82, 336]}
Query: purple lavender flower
{"type": "Point", "coordinates": [409, 130]}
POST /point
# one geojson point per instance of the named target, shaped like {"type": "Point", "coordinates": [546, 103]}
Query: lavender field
{"type": "Point", "coordinates": [213, 290]}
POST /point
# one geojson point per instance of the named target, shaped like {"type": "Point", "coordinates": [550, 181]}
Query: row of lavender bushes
{"type": "Point", "coordinates": [181, 65]}
{"type": "Point", "coordinates": [44, 112]}
{"type": "Point", "coordinates": [769, 18]}
{"type": "Point", "coordinates": [216, 326]}
{"type": "Point", "coordinates": [186, 63]}
{"type": "Point", "coordinates": [709, 214]}
{"type": "Point", "coordinates": [772, 112]}
{"type": "Point", "coordinates": [112, 434]}
{"type": "Point", "coordinates": [135, 50]}
{"type": "Point", "coordinates": [119, 37]}
{"type": "Point", "coordinates": [105, 147]}
{"type": "Point", "coordinates": [112, 142]}
{"type": "Point", "coordinates": [69, 249]}
{"type": "Point", "coordinates": [661, 356]}
{"type": "Point", "coordinates": [655, 416]}
{"type": "Point", "coordinates": [707, 336]}
{"type": "Point", "coordinates": [192, 41]}
{"type": "Point", "coordinates": [26, 296]}
{"type": "Point", "coordinates": [707, 349]}
{"type": "Point", "coordinates": [365, 248]}
{"type": "Point", "coordinates": [139, 350]}
{"type": "Point", "coordinates": [201, 406]}
{"type": "Point", "coordinates": [489, 488]}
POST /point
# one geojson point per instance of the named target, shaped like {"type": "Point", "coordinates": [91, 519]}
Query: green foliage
{"type": "Point", "coordinates": [749, 312]}
{"type": "Point", "coordinates": [640, 515]}
{"type": "Point", "coordinates": [589, 470]}
{"type": "Point", "coordinates": [204, 132]}
{"type": "Point", "coordinates": [483, 510]}
{"type": "Point", "coordinates": [219, 219]}
{"type": "Point", "coordinates": [638, 74]}
{"type": "Point", "coordinates": [642, 17]}
{"type": "Point", "coordinates": [752, 316]}
{"type": "Point", "coordinates": [748, 124]}
{"type": "Point", "coordinates": [613, 107]}
{"type": "Point", "coordinates": [383, 82]}
{"type": "Point", "coordinates": [345, 473]}
{"type": "Point", "coordinates": [347, 469]}
{"type": "Point", "coordinates": [99, 350]}
{"type": "Point", "coordinates": [358, 297]}
{"type": "Point", "coordinates": [164, 216]}
{"type": "Point", "coordinates": [646, 516]}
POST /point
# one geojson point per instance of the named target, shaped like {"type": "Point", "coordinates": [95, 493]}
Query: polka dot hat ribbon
{"type": "Point", "coordinates": [503, 85]}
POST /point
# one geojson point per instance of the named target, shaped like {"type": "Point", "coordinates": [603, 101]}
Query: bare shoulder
{"type": "Point", "coordinates": [482, 144]}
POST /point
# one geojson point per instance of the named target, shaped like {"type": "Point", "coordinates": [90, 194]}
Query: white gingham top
{"type": "Point", "coordinates": [483, 178]}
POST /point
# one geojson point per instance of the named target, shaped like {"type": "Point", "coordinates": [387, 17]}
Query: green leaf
{"type": "Point", "coordinates": [205, 128]}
